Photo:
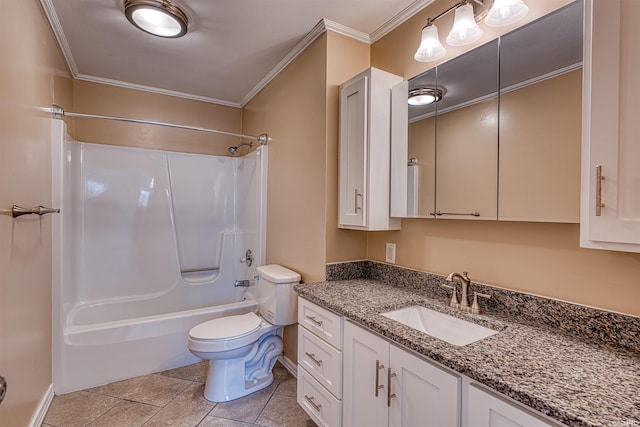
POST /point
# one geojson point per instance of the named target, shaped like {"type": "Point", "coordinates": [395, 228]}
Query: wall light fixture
{"type": "Point", "coordinates": [465, 30]}
{"type": "Point", "coordinates": [161, 18]}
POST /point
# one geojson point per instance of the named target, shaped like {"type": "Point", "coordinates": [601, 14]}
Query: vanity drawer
{"type": "Point", "coordinates": [320, 360]}
{"type": "Point", "coordinates": [322, 322]}
{"type": "Point", "coordinates": [321, 406]}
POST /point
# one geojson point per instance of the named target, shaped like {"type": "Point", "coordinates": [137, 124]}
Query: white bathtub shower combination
{"type": "Point", "coordinates": [148, 244]}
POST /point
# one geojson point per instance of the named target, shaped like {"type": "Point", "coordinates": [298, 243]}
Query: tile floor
{"type": "Point", "coordinates": [175, 398]}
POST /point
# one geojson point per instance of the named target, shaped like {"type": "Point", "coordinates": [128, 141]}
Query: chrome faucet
{"type": "Point", "coordinates": [464, 282]}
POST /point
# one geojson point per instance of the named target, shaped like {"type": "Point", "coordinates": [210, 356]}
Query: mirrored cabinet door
{"type": "Point", "coordinates": [466, 129]}
{"type": "Point", "coordinates": [540, 119]}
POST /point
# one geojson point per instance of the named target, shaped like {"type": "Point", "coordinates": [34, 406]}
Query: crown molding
{"type": "Point", "coordinates": [50, 12]}
{"type": "Point", "coordinates": [346, 31]}
{"type": "Point", "coordinates": [397, 20]}
{"type": "Point", "coordinates": [127, 85]}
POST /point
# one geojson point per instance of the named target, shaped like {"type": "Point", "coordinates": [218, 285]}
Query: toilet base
{"type": "Point", "coordinates": [230, 379]}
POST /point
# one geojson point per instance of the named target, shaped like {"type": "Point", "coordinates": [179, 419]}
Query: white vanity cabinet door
{"type": "Point", "coordinates": [426, 395]}
{"type": "Point", "coordinates": [487, 410]}
{"type": "Point", "coordinates": [361, 406]}
{"type": "Point", "coordinates": [611, 103]}
{"type": "Point", "coordinates": [410, 391]}
{"type": "Point", "coordinates": [365, 152]}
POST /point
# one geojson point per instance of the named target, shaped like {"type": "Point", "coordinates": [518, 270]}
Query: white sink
{"type": "Point", "coordinates": [439, 325]}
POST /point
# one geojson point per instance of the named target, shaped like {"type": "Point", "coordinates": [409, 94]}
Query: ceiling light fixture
{"type": "Point", "coordinates": [465, 30]}
{"type": "Point", "coordinates": [158, 17]}
{"type": "Point", "coordinates": [424, 96]}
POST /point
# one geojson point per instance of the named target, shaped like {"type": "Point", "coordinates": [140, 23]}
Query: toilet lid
{"type": "Point", "coordinates": [226, 327]}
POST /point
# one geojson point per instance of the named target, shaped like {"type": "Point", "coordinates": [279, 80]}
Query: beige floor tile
{"type": "Point", "coordinates": [288, 385]}
{"type": "Point", "coordinates": [284, 411]}
{"type": "Point", "coordinates": [246, 408]}
{"type": "Point", "coordinates": [196, 372]}
{"type": "Point", "coordinates": [78, 409]}
{"type": "Point", "coordinates": [152, 389]}
{"type": "Point", "coordinates": [222, 422]}
{"type": "Point", "coordinates": [186, 410]}
{"type": "Point", "coordinates": [127, 414]}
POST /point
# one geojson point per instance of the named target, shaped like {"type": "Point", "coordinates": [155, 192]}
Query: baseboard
{"type": "Point", "coordinates": [289, 365]}
{"type": "Point", "coordinates": [43, 406]}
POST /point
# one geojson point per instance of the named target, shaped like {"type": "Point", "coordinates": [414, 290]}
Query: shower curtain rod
{"type": "Point", "coordinates": [58, 113]}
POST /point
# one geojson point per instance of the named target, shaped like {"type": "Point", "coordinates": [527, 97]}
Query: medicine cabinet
{"type": "Point", "coordinates": [503, 143]}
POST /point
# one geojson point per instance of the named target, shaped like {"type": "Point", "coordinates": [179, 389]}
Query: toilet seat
{"type": "Point", "coordinates": [225, 328]}
{"type": "Point", "coordinates": [227, 333]}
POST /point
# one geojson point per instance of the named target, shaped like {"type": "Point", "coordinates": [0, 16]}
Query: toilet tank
{"type": "Point", "coordinates": [277, 301]}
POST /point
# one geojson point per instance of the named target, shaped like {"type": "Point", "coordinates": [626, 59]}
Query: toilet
{"type": "Point", "coordinates": [242, 349]}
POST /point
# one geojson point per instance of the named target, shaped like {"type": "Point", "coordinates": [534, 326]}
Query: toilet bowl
{"type": "Point", "coordinates": [242, 349]}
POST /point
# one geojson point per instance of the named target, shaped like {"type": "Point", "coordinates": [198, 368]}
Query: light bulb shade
{"type": "Point", "coordinates": [430, 48]}
{"type": "Point", "coordinates": [158, 17]}
{"type": "Point", "coordinates": [506, 12]}
{"type": "Point", "coordinates": [465, 29]}
{"type": "Point", "coordinates": [424, 96]}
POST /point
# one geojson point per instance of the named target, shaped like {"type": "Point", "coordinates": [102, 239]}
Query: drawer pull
{"type": "Point", "coordinates": [312, 403]}
{"type": "Point", "coordinates": [389, 394]}
{"type": "Point", "coordinates": [599, 178]}
{"type": "Point", "coordinates": [312, 356]}
{"type": "Point", "coordinates": [314, 320]}
{"type": "Point", "coordinates": [378, 385]}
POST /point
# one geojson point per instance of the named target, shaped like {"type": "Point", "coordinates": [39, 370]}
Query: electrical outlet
{"type": "Point", "coordinates": [391, 253]}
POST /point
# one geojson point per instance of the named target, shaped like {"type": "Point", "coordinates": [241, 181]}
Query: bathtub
{"type": "Point", "coordinates": [134, 226]}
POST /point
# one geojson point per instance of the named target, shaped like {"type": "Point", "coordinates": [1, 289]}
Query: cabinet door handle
{"type": "Point", "coordinates": [389, 394]}
{"type": "Point", "coordinates": [599, 178]}
{"type": "Point", "coordinates": [358, 208]}
{"type": "Point", "coordinates": [378, 367]}
{"type": "Point", "coordinates": [316, 406]}
{"type": "Point", "coordinates": [312, 356]}
{"type": "Point", "coordinates": [314, 320]}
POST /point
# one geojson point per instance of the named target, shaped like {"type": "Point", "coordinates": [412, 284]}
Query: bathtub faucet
{"type": "Point", "coordinates": [243, 283]}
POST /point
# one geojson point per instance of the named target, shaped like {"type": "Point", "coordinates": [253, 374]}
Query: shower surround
{"type": "Point", "coordinates": [148, 244]}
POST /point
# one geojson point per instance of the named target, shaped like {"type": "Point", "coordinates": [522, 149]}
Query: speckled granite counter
{"type": "Point", "coordinates": [573, 381]}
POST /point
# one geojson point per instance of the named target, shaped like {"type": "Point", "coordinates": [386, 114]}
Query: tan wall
{"type": "Point", "coordinates": [96, 98]}
{"type": "Point", "coordinates": [345, 58]}
{"type": "Point", "coordinates": [292, 110]}
{"type": "Point", "coordinates": [32, 74]}
{"type": "Point", "coordinates": [538, 258]}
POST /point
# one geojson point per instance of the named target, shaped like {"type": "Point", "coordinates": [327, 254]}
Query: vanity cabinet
{"type": "Point", "coordinates": [610, 199]}
{"type": "Point", "coordinates": [486, 409]}
{"type": "Point", "coordinates": [364, 152]}
{"type": "Point", "coordinates": [385, 385]}
{"type": "Point", "coordinates": [320, 363]}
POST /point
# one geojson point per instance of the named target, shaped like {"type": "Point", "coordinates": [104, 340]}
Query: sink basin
{"type": "Point", "coordinates": [439, 325]}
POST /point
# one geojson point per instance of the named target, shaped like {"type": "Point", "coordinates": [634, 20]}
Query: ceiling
{"type": "Point", "coordinates": [233, 47]}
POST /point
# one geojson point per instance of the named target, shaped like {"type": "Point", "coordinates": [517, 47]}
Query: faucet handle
{"type": "Point", "coordinates": [454, 296]}
{"type": "Point", "coordinates": [475, 307]}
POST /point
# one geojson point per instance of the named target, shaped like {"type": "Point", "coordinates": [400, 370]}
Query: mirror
{"type": "Point", "coordinates": [457, 166]}
{"type": "Point", "coordinates": [540, 119]}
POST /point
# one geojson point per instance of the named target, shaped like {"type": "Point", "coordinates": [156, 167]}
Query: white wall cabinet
{"type": "Point", "coordinates": [488, 410]}
{"type": "Point", "coordinates": [384, 385]}
{"type": "Point", "coordinates": [320, 363]}
{"type": "Point", "coordinates": [610, 199]}
{"type": "Point", "coordinates": [364, 158]}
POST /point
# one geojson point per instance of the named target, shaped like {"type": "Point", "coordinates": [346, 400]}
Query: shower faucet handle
{"type": "Point", "coordinates": [248, 258]}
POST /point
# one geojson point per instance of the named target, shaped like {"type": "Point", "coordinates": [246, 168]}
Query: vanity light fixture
{"type": "Point", "coordinates": [424, 96]}
{"type": "Point", "coordinates": [465, 30]}
{"type": "Point", "coordinates": [161, 18]}
{"type": "Point", "coordinates": [506, 12]}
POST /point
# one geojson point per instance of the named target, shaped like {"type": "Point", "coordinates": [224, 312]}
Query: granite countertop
{"type": "Point", "coordinates": [573, 381]}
